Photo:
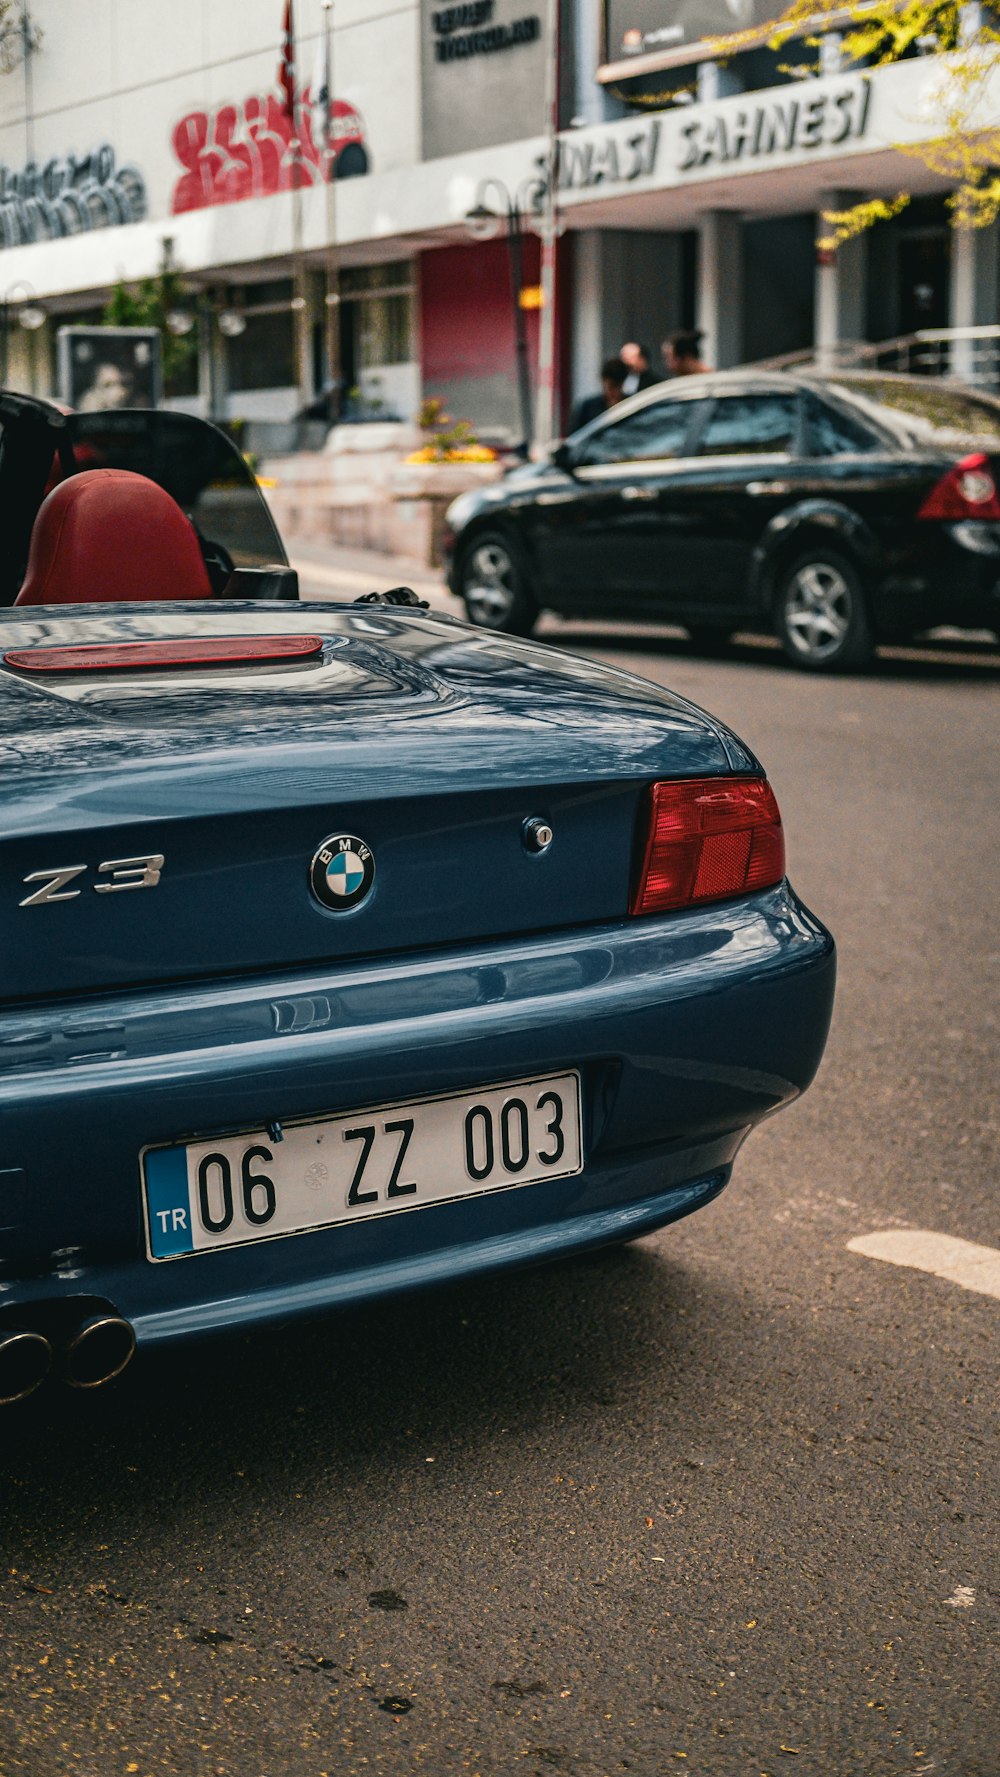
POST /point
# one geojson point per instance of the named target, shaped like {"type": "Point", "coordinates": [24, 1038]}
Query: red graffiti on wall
{"type": "Point", "coordinates": [254, 150]}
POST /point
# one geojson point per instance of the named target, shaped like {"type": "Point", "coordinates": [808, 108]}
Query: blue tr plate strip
{"type": "Point", "coordinates": [168, 1205]}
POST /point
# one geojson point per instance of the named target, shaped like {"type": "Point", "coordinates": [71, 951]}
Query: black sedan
{"type": "Point", "coordinates": [837, 512]}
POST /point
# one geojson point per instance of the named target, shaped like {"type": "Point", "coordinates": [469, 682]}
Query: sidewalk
{"type": "Point", "coordinates": [337, 573]}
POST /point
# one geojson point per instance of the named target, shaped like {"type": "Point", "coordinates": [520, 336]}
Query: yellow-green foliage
{"type": "Point", "coordinates": [879, 29]}
{"type": "Point", "coordinates": [844, 225]}
{"type": "Point", "coordinates": [966, 149]}
{"type": "Point", "coordinates": [876, 33]}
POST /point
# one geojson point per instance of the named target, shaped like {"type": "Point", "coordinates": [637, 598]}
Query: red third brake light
{"type": "Point", "coordinates": [967, 491]}
{"type": "Point", "coordinates": [109, 657]}
{"type": "Point", "coordinates": [709, 837]}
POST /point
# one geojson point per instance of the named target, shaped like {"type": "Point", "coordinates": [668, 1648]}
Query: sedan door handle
{"type": "Point", "coordinates": [768, 487]}
{"type": "Point", "coordinates": [638, 493]}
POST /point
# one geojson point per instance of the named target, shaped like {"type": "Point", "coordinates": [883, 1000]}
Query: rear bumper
{"type": "Point", "coordinates": [951, 575]}
{"type": "Point", "coordinates": [687, 1031]}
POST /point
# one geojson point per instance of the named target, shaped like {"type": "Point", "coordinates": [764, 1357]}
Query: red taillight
{"type": "Point", "coordinates": [967, 491]}
{"type": "Point", "coordinates": [128, 656]}
{"type": "Point", "coordinates": [709, 837]}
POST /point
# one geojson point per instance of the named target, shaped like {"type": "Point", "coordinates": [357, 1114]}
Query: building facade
{"type": "Point", "coordinates": [690, 191]}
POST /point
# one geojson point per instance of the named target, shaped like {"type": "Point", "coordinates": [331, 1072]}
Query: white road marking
{"type": "Point", "coordinates": [963, 1597]}
{"type": "Point", "coordinates": [957, 1261]}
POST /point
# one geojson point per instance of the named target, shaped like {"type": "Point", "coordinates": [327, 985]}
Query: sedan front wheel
{"type": "Point", "coordinates": [495, 588]}
{"type": "Point", "coordinates": [821, 618]}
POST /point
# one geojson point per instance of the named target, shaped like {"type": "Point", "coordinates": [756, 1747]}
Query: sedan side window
{"type": "Point", "coordinates": [647, 436]}
{"type": "Point", "coordinates": [751, 425]}
{"type": "Point", "coordinates": [832, 433]}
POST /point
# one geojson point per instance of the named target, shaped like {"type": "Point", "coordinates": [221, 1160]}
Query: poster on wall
{"type": "Point", "coordinates": [482, 73]}
{"type": "Point", "coordinates": [109, 367]}
{"type": "Point", "coordinates": [642, 27]}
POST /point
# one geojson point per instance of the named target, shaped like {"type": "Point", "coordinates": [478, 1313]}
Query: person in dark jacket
{"type": "Point", "coordinates": [613, 375]}
{"type": "Point", "coordinates": [636, 361]}
{"type": "Point", "coordinates": [682, 353]}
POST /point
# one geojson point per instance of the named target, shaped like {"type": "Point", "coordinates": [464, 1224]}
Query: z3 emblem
{"type": "Point", "coordinates": [124, 873]}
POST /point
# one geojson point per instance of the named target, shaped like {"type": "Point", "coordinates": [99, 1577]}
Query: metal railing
{"type": "Point", "coordinates": [964, 354]}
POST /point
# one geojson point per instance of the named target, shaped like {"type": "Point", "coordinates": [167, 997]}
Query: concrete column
{"type": "Point", "coordinates": [211, 359]}
{"type": "Point", "coordinates": [591, 103]}
{"type": "Point", "coordinates": [841, 289]}
{"type": "Point", "coordinates": [975, 301]}
{"type": "Point", "coordinates": [587, 336]}
{"type": "Point", "coordinates": [831, 54]}
{"type": "Point", "coordinates": [308, 312]}
{"type": "Point", "coordinates": [720, 288]}
{"type": "Point", "coordinates": [714, 82]}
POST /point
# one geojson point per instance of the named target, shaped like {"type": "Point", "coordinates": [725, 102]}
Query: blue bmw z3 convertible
{"type": "Point", "coordinates": [346, 948]}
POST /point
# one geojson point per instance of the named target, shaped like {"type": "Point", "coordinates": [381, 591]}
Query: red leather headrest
{"type": "Point", "coordinates": [107, 534]}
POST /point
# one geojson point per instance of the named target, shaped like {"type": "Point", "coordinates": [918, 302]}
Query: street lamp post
{"type": "Point", "coordinates": [545, 430]}
{"type": "Point", "coordinates": [328, 165]}
{"type": "Point", "coordinates": [483, 223]}
{"type": "Point", "coordinates": [30, 316]}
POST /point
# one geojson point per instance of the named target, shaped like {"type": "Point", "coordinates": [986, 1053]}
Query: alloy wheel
{"type": "Point", "coordinates": [818, 610]}
{"type": "Point", "coordinates": [488, 585]}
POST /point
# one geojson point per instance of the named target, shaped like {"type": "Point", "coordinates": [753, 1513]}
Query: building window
{"type": "Point", "coordinates": [263, 355]}
{"type": "Point", "coordinates": [185, 379]}
{"type": "Point", "coordinates": [378, 300]}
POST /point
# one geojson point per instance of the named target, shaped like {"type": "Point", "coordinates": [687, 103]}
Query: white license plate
{"type": "Point", "coordinates": [238, 1188]}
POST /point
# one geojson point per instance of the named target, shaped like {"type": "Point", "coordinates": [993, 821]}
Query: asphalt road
{"type": "Point", "coordinates": [724, 1502]}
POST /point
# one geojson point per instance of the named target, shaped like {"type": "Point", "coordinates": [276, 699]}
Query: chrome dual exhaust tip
{"type": "Point", "coordinates": [96, 1352]}
{"type": "Point", "coordinates": [99, 1351]}
{"type": "Point", "coordinates": [25, 1361]}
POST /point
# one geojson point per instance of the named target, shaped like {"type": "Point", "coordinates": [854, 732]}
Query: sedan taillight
{"type": "Point", "coordinates": [707, 838]}
{"type": "Point", "coordinates": [967, 491]}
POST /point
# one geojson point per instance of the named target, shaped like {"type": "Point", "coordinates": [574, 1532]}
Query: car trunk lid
{"type": "Point", "coordinates": [431, 745]}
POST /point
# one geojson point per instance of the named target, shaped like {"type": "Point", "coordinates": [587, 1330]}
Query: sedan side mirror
{"type": "Point", "coordinates": [564, 457]}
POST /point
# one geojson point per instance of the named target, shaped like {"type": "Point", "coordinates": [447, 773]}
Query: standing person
{"type": "Point", "coordinates": [613, 375]}
{"type": "Point", "coordinates": [682, 354]}
{"type": "Point", "coordinates": [636, 361]}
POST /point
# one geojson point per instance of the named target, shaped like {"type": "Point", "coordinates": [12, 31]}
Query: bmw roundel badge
{"type": "Point", "coordinates": [342, 872]}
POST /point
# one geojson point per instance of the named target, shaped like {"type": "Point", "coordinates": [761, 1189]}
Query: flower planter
{"type": "Point", "coordinates": [358, 494]}
{"type": "Point", "coordinates": [421, 494]}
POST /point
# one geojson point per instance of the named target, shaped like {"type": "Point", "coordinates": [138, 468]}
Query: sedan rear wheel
{"type": "Point", "coordinates": [495, 588]}
{"type": "Point", "coordinates": [820, 614]}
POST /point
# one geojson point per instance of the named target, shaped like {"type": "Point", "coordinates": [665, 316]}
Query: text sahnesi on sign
{"type": "Point", "coordinates": [776, 125]}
